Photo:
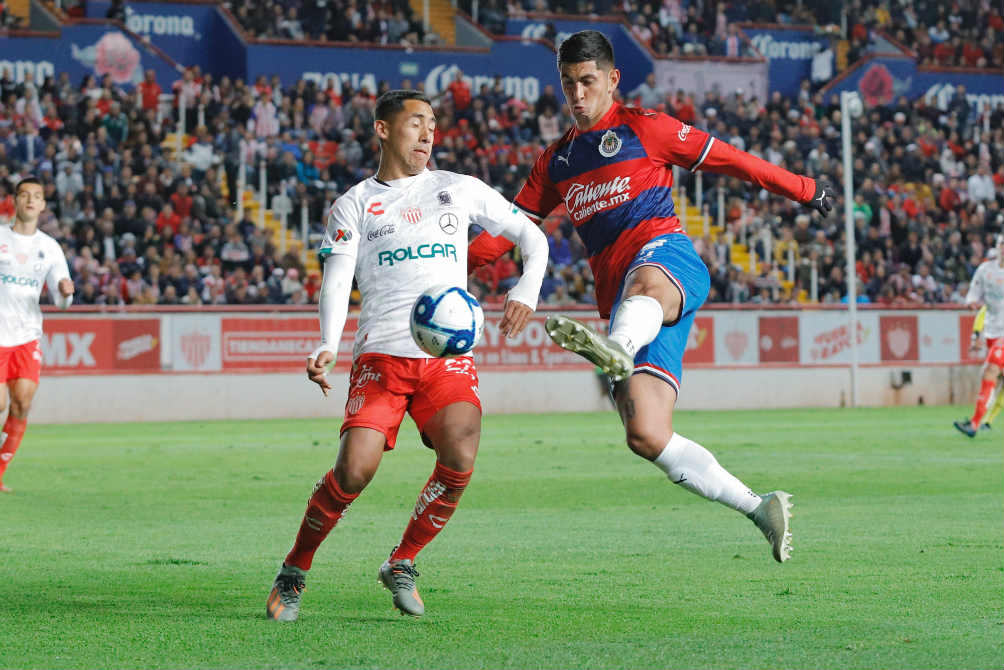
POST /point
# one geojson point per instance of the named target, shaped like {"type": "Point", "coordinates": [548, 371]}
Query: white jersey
{"type": "Point", "coordinates": [26, 262]}
{"type": "Point", "coordinates": [406, 236]}
{"type": "Point", "coordinates": [987, 287]}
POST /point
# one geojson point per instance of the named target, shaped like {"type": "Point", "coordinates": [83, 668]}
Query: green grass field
{"type": "Point", "coordinates": [154, 545]}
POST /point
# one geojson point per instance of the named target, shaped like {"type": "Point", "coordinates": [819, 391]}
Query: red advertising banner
{"type": "Point", "coordinates": [899, 341]}
{"type": "Point", "coordinates": [275, 344]}
{"type": "Point", "coordinates": [101, 345]}
{"type": "Point", "coordinates": [532, 348]}
{"type": "Point", "coordinates": [778, 339]}
{"type": "Point", "coordinates": [701, 343]}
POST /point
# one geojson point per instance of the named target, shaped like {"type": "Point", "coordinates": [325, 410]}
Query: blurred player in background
{"type": "Point", "coordinates": [987, 291]}
{"type": "Point", "coordinates": [613, 172]}
{"type": "Point", "coordinates": [399, 233]}
{"type": "Point", "coordinates": [28, 259]}
{"type": "Point", "coordinates": [997, 404]}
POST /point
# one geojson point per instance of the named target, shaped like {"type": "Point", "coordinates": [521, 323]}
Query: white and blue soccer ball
{"type": "Point", "coordinates": [446, 321]}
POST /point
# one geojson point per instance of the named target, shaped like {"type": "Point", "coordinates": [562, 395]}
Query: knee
{"type": "Point", "coordinates": [991, 373]}
{"type": "Point", "coordinates": [458, 446]}
{"type": "Point", "coordinates": [352, 478]}
{"type": "Point", "coordinates": [19, 407]}
{"type": "Point", "coordinates": [646, 442]}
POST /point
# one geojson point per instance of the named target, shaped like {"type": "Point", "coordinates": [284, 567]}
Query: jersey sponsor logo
{"type": "Point", "coordinates": [684, 131]}
{"type": "Point", "coordinates": [412, 215]}
{"type": "Point", "coordinates": [343, 235]}
{"type": "Point", "coordinates": [445, 200]}
{"type": "Point", "coordinates": [610, 144]}
{"type": "Point", "coordinates": [21, 258]}
{"type": "Point", "coordinates": [449, 223]}
{"type": "Point", "coordinates": [382, 231]}
{"type": "Point", "coordinates": [374, 209]}
{"type": "Point", "coordinates": [402, 254]}
{"type": "Point", "coordinates": [18, 280]}
{"type": "Point", "coordinates": [584, 200]}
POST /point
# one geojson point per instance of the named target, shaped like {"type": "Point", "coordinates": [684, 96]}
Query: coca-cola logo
{"type": "Point", "coordinates": [382, 231]}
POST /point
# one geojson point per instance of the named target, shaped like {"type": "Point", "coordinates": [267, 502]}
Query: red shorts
{"type": "Point", "coordinates": [21, 362]}
{"type": "Point", "coordinates": [383, 387]}
{"type": "Point", "coordinates": [995, 351]}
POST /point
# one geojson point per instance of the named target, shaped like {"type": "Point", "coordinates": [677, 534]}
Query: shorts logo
{"type": "Point", "coordinates": [610, 144]}
{"type": "Point", "coordinates": [449, 223]}
{"type": "Point", "coordinates": [355, 403]}
{"type": "Point", "coordinates": [343, 235]}
{"type": "Point", "coordinates": [684, 131]}
{"type": "Point", "coordinates": [366, 375]}
{"type": "Point", "coordinates": [374, 209]}
{"type": "Point", "coordinates": [444, 199]}
{"type": "Point", "coordinates": [412, 215]}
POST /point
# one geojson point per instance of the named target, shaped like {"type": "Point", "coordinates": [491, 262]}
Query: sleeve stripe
{"type": "Point", "coordinates": [704, 153]}
{"type": "Point", "coordinates": [533, 215]}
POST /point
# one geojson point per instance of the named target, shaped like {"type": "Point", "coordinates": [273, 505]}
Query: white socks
{"type": "Point", "coordinates": [636, 323]}
{"type": "Point", "coordinates": [694, 468]}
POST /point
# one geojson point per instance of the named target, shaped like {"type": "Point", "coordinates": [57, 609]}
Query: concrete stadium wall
{"type": "Point", "coordinates": [180, 397]}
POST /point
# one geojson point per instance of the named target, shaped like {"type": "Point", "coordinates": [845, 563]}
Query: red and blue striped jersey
{"type": "Point", "coordinates": [615, 181]}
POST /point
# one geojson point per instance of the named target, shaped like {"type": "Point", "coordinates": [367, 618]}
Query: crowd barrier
{"type": "Point", "coordinates": [176, 364]}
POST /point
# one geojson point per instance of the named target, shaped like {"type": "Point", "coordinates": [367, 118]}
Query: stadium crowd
{"type": "Point", "coordinates": [140, 225]}
{"type": "Point", "coordinates": [390, 22]}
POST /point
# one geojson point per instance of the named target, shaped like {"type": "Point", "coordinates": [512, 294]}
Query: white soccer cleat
{"type": "Point", "coordinates": [598, 349]}
{"type": "Point", "coordinates": [772, 517]}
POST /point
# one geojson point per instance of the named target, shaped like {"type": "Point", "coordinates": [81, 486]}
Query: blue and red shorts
{"type": "Point", "coordinates": [674, 254]}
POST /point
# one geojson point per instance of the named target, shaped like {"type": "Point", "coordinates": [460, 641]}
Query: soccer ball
{"type": "Point", "coordinates": [446, 321]}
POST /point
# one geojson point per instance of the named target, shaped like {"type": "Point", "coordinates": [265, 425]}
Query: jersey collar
{"type": "Point", "coordinates": [404, 182]}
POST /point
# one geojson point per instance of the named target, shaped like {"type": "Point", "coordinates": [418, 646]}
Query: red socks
{"type": "Point", "coordinates": [982, 402]}
{"type": "Point", "coordinates": [434, 507]}
{"type": "Point", "coordinates": [325, 507]}
{"type": "Point", "coordinates": [13, 431]}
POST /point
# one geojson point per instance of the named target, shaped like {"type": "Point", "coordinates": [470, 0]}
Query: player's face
{"type": "Point", "coordinates": [407, 137]}
{"type": "Point", "coordinates": [589, 90]}
{"type": "Point", "coordinates": [30, 202]}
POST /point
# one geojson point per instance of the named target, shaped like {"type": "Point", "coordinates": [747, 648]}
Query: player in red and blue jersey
{"type": "Point", "coordinates": [613, 172]}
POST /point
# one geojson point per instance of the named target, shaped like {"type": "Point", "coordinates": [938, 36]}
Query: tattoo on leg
{"type": "Point", "coordinates": [629, 410]}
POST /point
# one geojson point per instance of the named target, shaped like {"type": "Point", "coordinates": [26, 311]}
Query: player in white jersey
{"type": "Point", "coordinates": [399, 233]}
{"type": "Point", "coordinates": [987, 289]}
{"type": "Point", "coordinates": [28, 259]}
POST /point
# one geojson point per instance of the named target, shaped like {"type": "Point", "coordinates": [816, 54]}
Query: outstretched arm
{"type": "Point", "coordinates": [676, 143]}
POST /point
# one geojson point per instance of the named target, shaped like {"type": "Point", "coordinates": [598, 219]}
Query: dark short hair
{"type": "Point", "coordinates": [27, 180]}
{"type": "Point", "coordinates": [587, 45]}
{"type": "Point", "coordinates": [392, 102]}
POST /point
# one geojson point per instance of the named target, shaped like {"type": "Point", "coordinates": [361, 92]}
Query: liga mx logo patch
{"type": "Point", "coordinates": [610, 144]}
